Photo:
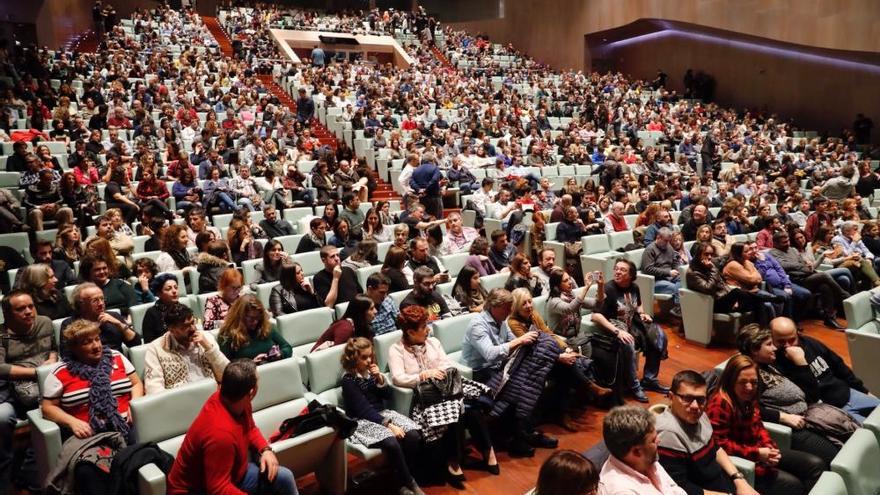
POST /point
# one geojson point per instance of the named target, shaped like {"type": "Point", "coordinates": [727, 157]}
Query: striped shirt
{"type": "Point", "coordinates": [73, 391]}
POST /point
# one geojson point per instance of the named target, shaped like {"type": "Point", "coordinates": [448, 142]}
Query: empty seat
{"type": "Point", "coordinates": [857, 464]}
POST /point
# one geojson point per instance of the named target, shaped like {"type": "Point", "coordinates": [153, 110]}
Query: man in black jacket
{"type": "Point", "coordinates": [838, 385]}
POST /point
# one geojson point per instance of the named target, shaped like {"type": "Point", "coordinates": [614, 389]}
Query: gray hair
{"type": "Point", "coordinates": [625, 427]}
{"type": "Point", "coordinates": [498, 297]}
{"type": "Point", "coordinates": [849, 226]}
{"type": "Point", "coordinates": [76, 297]}
{"type": "Point", "coordinates": [664, 232]}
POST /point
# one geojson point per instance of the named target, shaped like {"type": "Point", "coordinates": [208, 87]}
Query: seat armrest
{"type": "Point", "coordinates": [746, 467]}
{"type": "Point", "coordinates": [645, 283]}
{"type": "Point", "coordinates": [401, 398]}
{"type": "Point", "coordinates": [46, 442]}
{"type": "Point", "coordinates": [780, 434]}
{"type": "Point", "coordinates": [151, 480]}
{"type": "Point", "coordinates": [464, 370]}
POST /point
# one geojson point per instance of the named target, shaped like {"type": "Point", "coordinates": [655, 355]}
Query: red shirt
{"type": "Point", "coordinates": [738, 435]}
{"type": "Point", "coordinates": [214, 454]}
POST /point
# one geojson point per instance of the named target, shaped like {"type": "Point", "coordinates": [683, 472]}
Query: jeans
{"type": "Point", "coordinates": [843, 277]}
{"type": "Point", "coordinates": [668, 287]}
{"type": "Point", "coordinates": [399, 451]}
{"type": "Point", "coordinates": [247, 203]}
{"type": "Point", "coordinates": [860, 405]}
{"type": "Point", "coordinates": [630, 359]}
{"type": "Point", "coordinates": [284, 483]}
{"type": "Point", "coordinates": [800, 297]}
{"type": "Point", "coordinates": [224, 201]}
{"type": "Point", "coordinates": [468, 187]}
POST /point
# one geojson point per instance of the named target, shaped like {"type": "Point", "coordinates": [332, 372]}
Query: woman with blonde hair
{"type": "Point", "coordinates": [571, 371]}
{"type": "Point", "coordinates": [39, 281]}
{"type": "Point", "coordinates": [247, 333]}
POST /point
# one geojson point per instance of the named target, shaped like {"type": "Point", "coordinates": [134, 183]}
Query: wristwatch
{"type": "Point", "coordinates": [266, 448]}
{"type": "Point", "coordinates": [737, 476]}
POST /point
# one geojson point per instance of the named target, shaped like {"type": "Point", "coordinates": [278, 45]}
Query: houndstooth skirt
{"type": "Point", "coordinates": [369, 433]}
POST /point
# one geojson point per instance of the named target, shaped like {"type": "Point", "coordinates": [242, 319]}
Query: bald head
{"type": "Point", "coordinates": [784, 332]}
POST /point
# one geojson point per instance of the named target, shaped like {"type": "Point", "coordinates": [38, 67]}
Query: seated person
{"type": "Point", "coordinates": [214, 456]}
{"type": "Point", "coordinates": [274, 226]}
{"type": "Point", "coordinates": [394, 268]}
{"type": "Point", "coordinates": [247, 333]}
{"type": "Point", "coordinates": [521, 276]}
{"type": "Point", "coordinates": [487, 344]}
{"type": "Point", "coordinates": [164, 286]}
{"type": "Point", "coordinates": [217, 306]}
{"type": "Point", "coordinates": [118, 294]}
{"type": "Point", "coordinates": [315, 238]}
{"type": "Point", "coordinates": [293, 293]}
{"type": "Point", "coordinates": [737, 428]}
{"type": "Point", "coordinates": [355, 322]}
{"type": "Point", "coordinates": [211, 265]}
{"type": "Point", "coordinates": [364, 392]}
{"type": "Point", "coordinates": [501, 251]}
{"type": "Point", "coordinates": [184, 354]}
{"type": "Point", "coordinates": [40, 282]}
{"type": "Point", "coordinates": [335, 284]}
{"type": "Point", "coordinates": [632, 467]}
{"type": "Point", "coordinates": [273, 258]}
{"type": "Point", "coordinates": [838, 385]}
{"type": "Point", "coordinates": [425, 294]}
{"type": "Point", "coordinates": [661, 261]}
{"type": "Point", "coordinates": [27, 342]}
{"type": "Point", "coordinates": [88, 304]}
{"type": "Point", "coordinates": [91, 369]}
{"type": "Point", "coordinates": [387, 311]}
{"type": "Point", "coordinates": [564, 472]}
{"type": "Point", "coordinates": [468, 291]}
{"type": "Point", "coordinates": [685, 446]}
{"type": "Point", "coordinates": [419, 257]}
{"type": "Point", "coordinates": [622, 317]}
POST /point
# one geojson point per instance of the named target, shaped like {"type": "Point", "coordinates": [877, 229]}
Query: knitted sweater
{"type": "Point", "coordinates": [168, 366]}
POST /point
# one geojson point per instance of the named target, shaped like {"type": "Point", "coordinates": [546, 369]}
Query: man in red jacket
{"type": "Point", "coordinates": [214, 455]}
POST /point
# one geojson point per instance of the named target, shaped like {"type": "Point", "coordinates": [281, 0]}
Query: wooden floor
{"type": "Point", "coordinates": [519, 475]}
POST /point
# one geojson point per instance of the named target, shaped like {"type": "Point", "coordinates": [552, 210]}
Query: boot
{"type": "Point", "coordinates": [598, 394]}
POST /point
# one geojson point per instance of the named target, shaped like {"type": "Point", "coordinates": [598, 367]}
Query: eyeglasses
{"type": "Point", "coordinates": [690, 399]}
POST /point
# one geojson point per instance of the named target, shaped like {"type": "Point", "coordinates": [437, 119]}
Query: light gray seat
{"type": "Point", "coordinates": [450, 332]}
{"type": "Point", "coordinates": [857, 463]}
{"type": "Point", "coordinates": [863, 338]}
{"type": "Point", "coordinates": [301, 330]}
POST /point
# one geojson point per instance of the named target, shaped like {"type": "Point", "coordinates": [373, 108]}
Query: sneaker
{"type": "Point", "coordinates": [654, 386]}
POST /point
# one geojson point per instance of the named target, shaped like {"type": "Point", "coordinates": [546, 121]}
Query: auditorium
{"type": "Point", "coordinates": [409, 247]}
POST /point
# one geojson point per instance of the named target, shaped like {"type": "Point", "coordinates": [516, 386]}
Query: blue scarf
{"type": "Point", "coordinates": [104, 408]}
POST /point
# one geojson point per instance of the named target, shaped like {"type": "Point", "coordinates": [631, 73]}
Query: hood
{"type": "Point", "coordinates": [209, 260]}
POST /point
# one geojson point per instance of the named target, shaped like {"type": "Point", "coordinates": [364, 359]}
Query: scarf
{"type": "Point", "coordinates": [322, 241]}
{"type": "Point", "coordinates": [181, 258]}
{"type": "Point", "coordinates": [418, 351]}
{"type": "Point", "coordinates": [571, 322]}
{"type": "Point", "coordinates": [104, 408]}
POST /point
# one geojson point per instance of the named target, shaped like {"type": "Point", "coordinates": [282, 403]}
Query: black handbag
{"type": "Point", "coordinates": [433, 391]}
{"type": "Point", "coordinates": [318, 416]}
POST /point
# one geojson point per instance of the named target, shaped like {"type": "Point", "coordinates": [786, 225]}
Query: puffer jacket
{"type": "Point", "coordinates": [210, 268]}
{"type": "Point", "coordinates": [522, 382]}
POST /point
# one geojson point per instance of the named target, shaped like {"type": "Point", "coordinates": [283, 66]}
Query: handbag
{"type": "Point", "coordinates": [434, 390]}
{"type": "Point", "coordinates": [316, 416]}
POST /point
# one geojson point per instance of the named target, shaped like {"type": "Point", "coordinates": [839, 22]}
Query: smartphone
{"type": "Point", "coordinates": [597, 274]}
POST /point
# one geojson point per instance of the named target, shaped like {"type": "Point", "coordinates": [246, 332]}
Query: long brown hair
{"type": "Point", "coordinates": [233, 330]}
{"type": "Point", "coordinates": [736, 365]}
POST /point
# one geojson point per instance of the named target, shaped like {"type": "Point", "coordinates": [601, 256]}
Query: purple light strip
{"type": "Point", "coordinates": [783, 52]}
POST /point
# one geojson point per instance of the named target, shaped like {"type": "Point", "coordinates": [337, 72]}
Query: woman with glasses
{"type": "Point", "coordinates": [217, 306]}
{"type": "Point", "coordinates": [247, 333]}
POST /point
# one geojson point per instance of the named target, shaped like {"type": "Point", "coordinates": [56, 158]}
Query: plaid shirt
{"type": "Point", "coordinates": [738, 435]}
{"type": "Point", "coordinates": [386, 317]}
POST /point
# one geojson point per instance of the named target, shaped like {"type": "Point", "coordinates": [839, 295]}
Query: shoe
{"type": "Point", "coordinates": [675, 312]}
{"type": "Point", "coordinates": [455, 480]}
{"type": "Point", "coordinates": [640, 396]}
{"type": "Point", "coordinates": [415, 489]}
{"type": "Point", "coordinates": [598, 394]}
{"type": "Point", "coordinates": [654, 386]}
{"type": "Point", "coordinates": [494, 469]}
{"type": "Point", "coordinates": [540, 440]}
{"type": "Point", "coordinates": [521, 448]}
{"type": "Point", "coordinates": [831, 322]}
{"type": "Point", "coordinates": [567, 422]}
{"type": "Point", "coordinates": [405, 490]}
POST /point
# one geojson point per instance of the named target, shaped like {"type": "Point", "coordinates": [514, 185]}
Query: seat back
{"type": "Point", "coordinates": [249, 270]}
{"type": "Point", "coordinates": [494, 281]}
{"type": "Point", "coordinates": [450, 331]}
{"type": "Point", "coordinates": [304, 327]}
{"type": "Point", "coordinates": [382, 344]}
{"type": "Point", "coordinates": [454, 262]}
{"type": "Point", "coordinates": [163, 416]}
{"type": "Point", "coordinates": [279, 382]}
{"type": "Point", "coordinates": [138, 355]}
{"type": "Point", "coordinates": [364, 273]}
{"type": "Point", "coordinates": [264, 291]}
{"type": "Point", "coordinates": [593, 244]}
{"type": "Point", "coordinates": [325, 373]}
{"type": "Point", "coordinates": [137, 316]}
{"type": "Point", "coordinates": [619, 239]}
{"type": "Point", "coordinates": [857, 464]}
{"type": "Point", "coordinates": [860, 312]}
{"type": "Point", "coordinates": [290, 242]}
{"type": "Point", "coordinates": [310, 262]}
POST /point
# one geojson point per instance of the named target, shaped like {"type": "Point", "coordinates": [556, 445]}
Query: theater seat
{"type": "Point", "coordinates": [830, 483]}
{"type": "Point", "coordinates": [857, 464]}
{"type": "Point", "coordinates": [699, 318]}
{"type": "Point", "coordinates": [301, 330]}
{"type": "Point", "coordinates": [863, 338]}
{"type": "Point", "coordinates": [450, 332]}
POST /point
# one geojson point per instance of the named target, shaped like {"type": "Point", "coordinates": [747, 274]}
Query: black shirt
{"type": "Point", "coordinates": [348, 285]}
{"type": "Point", "coordinates": [433, 303]}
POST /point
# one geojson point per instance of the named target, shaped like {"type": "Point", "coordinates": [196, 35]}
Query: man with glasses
{"type": "Point", "coordinates": [315, 238]}
{"type": "Point", "coordinates": [686, 448]}
{"type": "Point", "coordinates": [425, 294]}
{"type": "Point", "coordinates": [88, 304]}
